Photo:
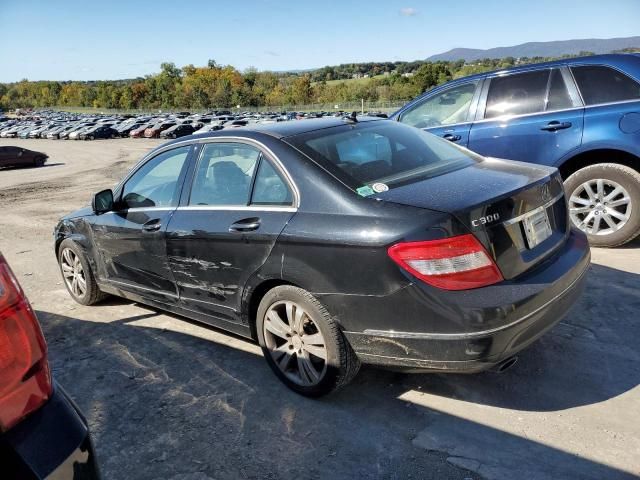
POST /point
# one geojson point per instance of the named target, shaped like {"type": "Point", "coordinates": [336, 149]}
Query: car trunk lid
{"type": "Point", "coordinates": [516, 210]}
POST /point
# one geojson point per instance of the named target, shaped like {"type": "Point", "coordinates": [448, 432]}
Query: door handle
{"type": "Point", "coordinates": [152, 226]}
{"type": "Point", "coordinates": [451, 137]}
{"type": "Point", "coordinates": [553, 126]}
{"type": "Point", "coordinates": [245, 225]}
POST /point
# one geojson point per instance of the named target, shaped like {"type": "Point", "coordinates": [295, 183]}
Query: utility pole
{"type": "Point", "coordinates": [362, 111]}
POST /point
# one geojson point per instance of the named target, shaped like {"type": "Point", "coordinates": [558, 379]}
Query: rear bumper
{"type": "Point", "coordinates": [53, 443]}
{"type": "Point", "coordinates": [485, 327]}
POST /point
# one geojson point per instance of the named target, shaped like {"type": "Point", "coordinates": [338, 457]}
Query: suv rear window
{"type": "Point", "coordinates": [599, 84]}
{"type": "Point", "coordinates": [517, 94]}
{"type": "Point", "coordinates": [367, 153]}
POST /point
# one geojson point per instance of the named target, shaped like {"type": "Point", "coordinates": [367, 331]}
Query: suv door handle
{"type": "Point", "coordinates": [451, 137]}
{"type": "Point", "coordinates": [553, 126]}
{"type": "Point", "coordinates": [245, 225]}
{"type": "Point", "coordinates": [152, 225]}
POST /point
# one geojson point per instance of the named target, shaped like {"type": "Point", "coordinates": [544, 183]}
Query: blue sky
{"type": "Point", "coordinates": [81, 40]}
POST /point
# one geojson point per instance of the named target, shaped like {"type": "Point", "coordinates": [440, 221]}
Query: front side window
{"type": "Point", "coordinates": [599, 84]}
{"type": "Point", "coordinates": [155, 184]}
{"type": "Point", "coordinates": [517, 94]}
{"type": "Point", "coordinates": [382, 152]}
{"type": "Point", "coordinates": [223, 175]}
{"type": "Point", "coordinates": [445, 108]}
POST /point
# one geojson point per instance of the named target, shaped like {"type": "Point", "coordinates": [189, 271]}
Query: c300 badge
{"type": "Point", "coordinates": [494, 217]}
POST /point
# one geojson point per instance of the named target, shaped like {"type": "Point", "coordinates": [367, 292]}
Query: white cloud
{"type": "Point", "coordinates": [408, 12]}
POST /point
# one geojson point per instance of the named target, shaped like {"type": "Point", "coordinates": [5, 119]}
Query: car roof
{"type": "Point", "coordinates": [611, 59]}
{"type": "Point", "coordinates": [276, 130]}
{"type": "Point", "coordinates": [288, 129]}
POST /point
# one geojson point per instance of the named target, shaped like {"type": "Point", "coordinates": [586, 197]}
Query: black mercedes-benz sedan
{"type": "Point", "coordinates": [334, 242]}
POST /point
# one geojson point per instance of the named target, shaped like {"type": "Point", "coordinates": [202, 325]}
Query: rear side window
{"type": "Point", "coordinates": [224, 173]}
{"type": "Point", "coordinates": [558, 97]}
{"type": "Point", "coordinates": [599, 84]}
{"type": "Point", "coordinates": [517, 94]}
{"type": "Point", "coordinates": [269, 187]}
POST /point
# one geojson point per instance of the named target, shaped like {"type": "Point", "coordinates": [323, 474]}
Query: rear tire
{"type": "Point", "coordinates": [302, 343]}
{"type": "Point", "coordinates": [604, 202]}
{"type": "Point", "coordinates": [77, 275]}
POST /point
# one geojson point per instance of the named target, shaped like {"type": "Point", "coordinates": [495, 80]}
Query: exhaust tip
{"type": "Point", "coordinates": [505, 364]}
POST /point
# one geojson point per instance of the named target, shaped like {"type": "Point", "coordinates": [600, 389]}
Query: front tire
{"type": "Point", "coordinates": [302, 343]}
{"type": "Point", "coordinates": [604, 202]}
{"type": "Point", "coordinates": [77, 275]}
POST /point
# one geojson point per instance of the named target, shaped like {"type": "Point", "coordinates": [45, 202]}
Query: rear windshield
{"type": "Point", "coordinates": [375, 156]}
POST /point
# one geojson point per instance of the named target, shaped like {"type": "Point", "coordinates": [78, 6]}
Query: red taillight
{"type": "Point", "coordinates": [455, 263]}
{"type": "Point", "coordinates": [25, 382]}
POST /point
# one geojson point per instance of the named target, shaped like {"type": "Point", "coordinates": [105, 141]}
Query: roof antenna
{"type": "Point", "coordinates": [352, 117]}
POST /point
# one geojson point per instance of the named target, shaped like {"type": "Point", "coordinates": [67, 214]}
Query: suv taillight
{"type": "Point", "coordinates": [455, 263]}
{"type": "Point", "coordinates": [25, 381]}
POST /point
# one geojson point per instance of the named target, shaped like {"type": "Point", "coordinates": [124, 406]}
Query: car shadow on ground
{"type": "Point", "coordinates": [589, 357]}
{"type": "Point", "coordinates": [30, 167]}
{"type": "Point", "coordinates": [178, 403]}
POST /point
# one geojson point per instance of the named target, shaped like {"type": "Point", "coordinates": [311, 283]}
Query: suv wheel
{"type": "Point", "coordinates": [302, 343]}
{"type": "Point", "coordinates": [77, 274]}
{"type": "Point", "coordinates": [604, 202]}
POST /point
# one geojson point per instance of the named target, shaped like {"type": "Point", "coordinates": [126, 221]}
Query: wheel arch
{"type": "Point", "coordinates": [597, 155]}
{"type": "Point", "coordinates": [255, 295]}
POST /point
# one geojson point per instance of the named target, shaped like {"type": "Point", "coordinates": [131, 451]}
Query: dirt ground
{"type": "Point", "coordinates": [169, 399]}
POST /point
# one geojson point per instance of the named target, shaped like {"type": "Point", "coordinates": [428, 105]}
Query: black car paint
{"type": "Point", "coordinates": [333, 244]}
{"type": "Point", "coordinates": [18, 156]}
{"type": "Point", "coordinates": [52, 443]}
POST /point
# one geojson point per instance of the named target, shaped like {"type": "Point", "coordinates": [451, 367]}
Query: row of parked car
{"type": "Point", "coordinates": [64, 126]}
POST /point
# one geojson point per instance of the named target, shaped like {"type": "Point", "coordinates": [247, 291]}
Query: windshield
{"type": "Point", "coordinates": [375, 156]}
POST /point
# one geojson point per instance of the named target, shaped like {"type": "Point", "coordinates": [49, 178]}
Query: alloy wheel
{"type": "Point", "coordinates": [295, 343]}
{"type": "Point", "coordinates": [600, 206]}
{"type": "Point", "coordinates": [73, 272]}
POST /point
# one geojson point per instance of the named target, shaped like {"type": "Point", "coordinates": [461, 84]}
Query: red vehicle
{"type": "Point", "coordinates": [154, 131]}
{"type": "Point", "coordinates": [139, 131]}
{"type": "Point", "coordinates": [42, 432]}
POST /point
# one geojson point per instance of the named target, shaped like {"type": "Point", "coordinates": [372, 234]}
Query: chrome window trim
{"type": "Point", "coordinates": [572, 87]}
{"type": "Point", "coordinates": [240, 208]}
{"type": "Point", "coordinates": [544, 206]}
{"type": "Point", "coordinates": [508, 118]}
{"type": "Point", "coordinates": [513, 117]}
{"type": "Point", "coordinates": [619, 102]}
{"type": "Point", "coordinates": [142, 209]}
{"type": "Point", "coordinates": [222, 139]}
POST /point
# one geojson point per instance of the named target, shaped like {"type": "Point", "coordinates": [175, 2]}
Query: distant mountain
{"type": "Point", "coordinates": [540, 49]}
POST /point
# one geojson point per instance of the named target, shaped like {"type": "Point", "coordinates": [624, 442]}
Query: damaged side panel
{"type": "Point", "coordinates": [211, 263]}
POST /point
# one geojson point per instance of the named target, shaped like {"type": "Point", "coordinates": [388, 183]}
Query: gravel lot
{"type": "Point", "coordinates": [170, 399]}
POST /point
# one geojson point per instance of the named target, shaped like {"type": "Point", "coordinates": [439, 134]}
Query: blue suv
{"type": "Point", "coordinates": [581, 115]}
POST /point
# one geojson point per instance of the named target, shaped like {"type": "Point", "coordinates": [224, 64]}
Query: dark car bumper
{"type": "Point", "coordinates": [465, 331]}
{"type": "Point", "coordinates": [53, 443]}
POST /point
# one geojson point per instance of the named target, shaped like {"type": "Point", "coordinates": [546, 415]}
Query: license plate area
{"type": "Point", "coordinates": [536, 227]}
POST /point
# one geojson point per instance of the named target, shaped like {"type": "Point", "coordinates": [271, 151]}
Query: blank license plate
{"type": "Point", "coordinates": [536, 227]}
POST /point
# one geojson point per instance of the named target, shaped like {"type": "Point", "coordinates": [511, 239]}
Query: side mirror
{"type": "Point", "coordinates": [102, 202]}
